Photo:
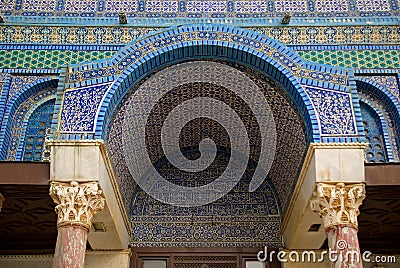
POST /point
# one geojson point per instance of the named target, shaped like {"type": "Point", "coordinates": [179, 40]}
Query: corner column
{"type": "Point", "coordinates": [77, 203]}
{"type": "Point", "coordinates": [338, 205]}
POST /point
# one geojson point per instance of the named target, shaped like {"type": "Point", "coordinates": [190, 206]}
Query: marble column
{"type": "Point", "coordinates": [338, 205]}
{"type": "Point", "coordinates": [77, 203]}
{"type": "Point", "coordinates": [1, 201]}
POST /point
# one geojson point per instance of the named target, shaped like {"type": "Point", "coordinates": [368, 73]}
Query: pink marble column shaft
{"type": "Point", "coordinates": [343, 242]}
{"type": "Point", "coordinates": [71, 247]}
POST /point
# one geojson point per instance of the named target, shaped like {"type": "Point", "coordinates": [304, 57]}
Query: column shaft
{"type": "Point", "coordinates": [71, 247]}
{"type": "Point", "coordinates": [77, 203]}
{"type": "Point", "coordinates": [343, 240]}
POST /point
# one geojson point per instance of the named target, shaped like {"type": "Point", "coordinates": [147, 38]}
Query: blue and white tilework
{"type": "Point", "coordinates": [327, 6]}
{"type": "Point", "coordinates": [298, 6]}
{"type": "Point", "coordinates": [80, 108]}
{"type": "Point", "coordinates": [112, 6]}
{"type": "Point", "coordinates": [388, 82]}
{"type": "Point", "coordinates": [39, 5]}
{"type": "Point", "coordinates": [376, 5]}
{"type": "Point", "coordinates": [80, 6]}
{"type": "Point", "coordinates": [202, 9]}
{"type": "Point", "coordinates": [291, 142]}
{"type": "Point", "coordinates": [20, 122]}
{"type": "Point", "coordinates": [18, 82]}
{"type": "Point", "coordinates": [238, 219]}
{"type": "Point", "coordinates": [334, 111]}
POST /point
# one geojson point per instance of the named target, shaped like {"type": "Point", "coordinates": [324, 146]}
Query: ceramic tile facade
{"type": "Point", "coordinates": [291, 35]}
{"type": "Point", "coordinates": [198, 8]}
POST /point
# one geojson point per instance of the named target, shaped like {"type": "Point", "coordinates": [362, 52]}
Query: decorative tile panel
{"type": "Point", "coordinates": [20, 121]}
{"type": "Point", "coordinates": [238, 219]}
{"type": "Point", "coordinates": [113, 7]}
{"type": "Point", "coordinates": [376, 5]}
{"type": "Point", "coordinates": [291, 147]}
{"type": "Point", "coordinates": [326, 6]}
{"type": "Point", "coordinates": [38, 124]}
{"type": "Point", "coordinates": [18, 82]}
{"type": "Point", "coordinates": [389, 125]}
{"type": "Point", "coordinates": [7, 5]}
{"type": "Point", "coordinates": [48, 58]}
{"type": "Point", "coordinates": [299, 6]}
{"type": "Point", "coordinates": [39, 5]}
{"type": "Point", "coordinates": [80, 108]}
{"type": "Point", "coordinates": [334, 111]}
{"type": "Point", "coordinates": [355, 59]}
{"type": "Point", "coordinates": [160, 6]}
{"type": "Point", "coordinates": [203, 9]}
{"type": "Point", "coordinates": [260, 44]}
{"type": "Point", "coordinates": [72, 7]}
{"type": "Point", "coordinates": [310, 35]}
{"type": "Point", "coordinates": [376, 151]}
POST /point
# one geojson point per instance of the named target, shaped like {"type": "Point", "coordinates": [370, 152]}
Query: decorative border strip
{"type": "Point", "coordinates": [114, 34]}
{"type": "Point", "coordinates": [172, 9]}
{"type": "Point", "coordinates": [343, 47]}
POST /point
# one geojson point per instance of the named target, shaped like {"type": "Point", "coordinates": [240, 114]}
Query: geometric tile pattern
{"type": "Point", "coordinates": [33, 59]}
{"type": "Point", "coordinates": [239, 218]}
{"type": "Point", "coordinates": [148, 49]}
{"type": "Point", "coordinates": [291, 35]}
{"type": "Point", "coordinates": [290, 147]}
{"type": "Point", "coordinates": [377, 5]}
{"type": "Point", "coordinates": [201, 9]}
{"type": "Point", "coordinates": [355, 59]}
{"type": "Point", "coordinates": [39, 5]}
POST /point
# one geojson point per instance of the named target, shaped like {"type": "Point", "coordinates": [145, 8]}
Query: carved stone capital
{"type": "Point", "coordinates": [77, 203]}
{"type": "Point", "coordinates": [1, 201]}
{"type": "Point", "coordinates": [338, 203]}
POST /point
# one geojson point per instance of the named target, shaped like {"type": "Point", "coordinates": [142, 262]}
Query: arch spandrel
{"type": "Point", "coordinates": [300, 78]}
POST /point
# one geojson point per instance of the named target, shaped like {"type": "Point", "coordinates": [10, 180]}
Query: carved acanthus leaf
{"type": "Point", "coordinates": [77, 203]}
{"type": "Point", "coordinates": [338, 203]}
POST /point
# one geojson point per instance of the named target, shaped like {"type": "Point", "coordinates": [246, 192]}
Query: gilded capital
{"type": "Point", "coordinates": [1, 201]}
{"type": "Point", "coordinates": [77, 203]}
{"type": "Point", "coordinates": [338, 203]}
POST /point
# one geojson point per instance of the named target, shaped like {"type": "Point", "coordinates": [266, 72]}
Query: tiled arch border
{"type": "Point", "coordinates": [21, 144]}
{"type": "Point", "coordinates": [389, 101]}
{"type": "Point", "coordinates": [243, 51]}
{"type": "Point", "coordinates": [386, 138]}
{"type": "Point", "coordinates": [13, 105]}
